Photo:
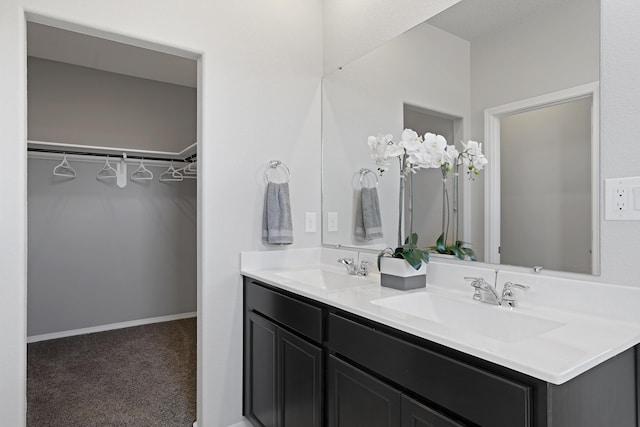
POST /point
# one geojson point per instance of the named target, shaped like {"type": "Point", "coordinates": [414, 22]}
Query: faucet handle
{"type": "Point", "coordinates": [508, 297]}
{"type": "Point", "coordinates": [364, 268]}
{"type": "Point", "coordinates": [346, 261]}
{"type": "Point", "coordinates": [476, 282]}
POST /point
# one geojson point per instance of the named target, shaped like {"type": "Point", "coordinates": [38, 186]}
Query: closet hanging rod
{"type": "Point", "coordinates": [112, 155]}
{"type": "Point", "coordinates": [187, 153]}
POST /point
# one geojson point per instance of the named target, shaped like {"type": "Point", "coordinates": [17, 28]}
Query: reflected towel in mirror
{"type": "Point", "coordinates": [368, 221]}
{"type": "Point", "coordinates": [277, 228]}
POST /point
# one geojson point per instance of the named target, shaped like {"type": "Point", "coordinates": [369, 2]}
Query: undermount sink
{"type": "Point", "coordinates": [495, 322]}
{"type": "Point", "coordinates": [325, 279]}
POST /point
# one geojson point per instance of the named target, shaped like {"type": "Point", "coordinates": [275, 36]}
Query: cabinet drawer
{"type": "Point", "coordinates": [476, 395]}
{"type": "Point", "coordinates": [296, 315]}
{"type": "Point", "coordinates": [358, 399]}
{"type": "Point", "coordinates": [415, 414]}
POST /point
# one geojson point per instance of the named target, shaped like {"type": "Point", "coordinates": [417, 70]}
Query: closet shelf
{"type": "Point", "coordinates": [185, 155]}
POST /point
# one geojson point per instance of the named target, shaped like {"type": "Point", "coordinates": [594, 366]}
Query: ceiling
{"type": "Point", "coordinates": [468, 19]}
{"type": "Point", "coordinates": [56, 44]}
{"type": "Point", "coordinates": [471, 19]}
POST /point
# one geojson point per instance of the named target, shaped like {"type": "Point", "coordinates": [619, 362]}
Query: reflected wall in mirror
{"type": "Point", "coordinates": [472, 57]}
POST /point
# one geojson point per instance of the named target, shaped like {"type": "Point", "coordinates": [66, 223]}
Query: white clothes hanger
{"type": "Point", "coordinates": [189, 171]}
{"type": "Point", "coordinates": [192, 168]}
{"type": "Point", "coordinates": [142, 173]}
{"type": "Point", "coordinates": [64, 169]}
{"type": "Point", "coordinates": [171, 175]}
{"type": "Point", "coordinates": [108, 171]}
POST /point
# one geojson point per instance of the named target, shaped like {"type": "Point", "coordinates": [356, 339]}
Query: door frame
{"type": "Point", "coordinates": [492, 117]}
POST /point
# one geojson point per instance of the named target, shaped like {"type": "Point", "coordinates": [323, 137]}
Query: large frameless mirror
{"type": "Point", "coordinates": [521, 78]}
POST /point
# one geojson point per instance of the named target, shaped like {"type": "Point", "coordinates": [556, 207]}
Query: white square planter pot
{"type": "Point", "coordinates": [397, 273]}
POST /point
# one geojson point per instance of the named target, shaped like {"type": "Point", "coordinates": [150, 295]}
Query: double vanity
{"type": "Point", "coordinates": [325, 348]}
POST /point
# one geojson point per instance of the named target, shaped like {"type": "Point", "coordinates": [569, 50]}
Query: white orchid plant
{"type": "Point", "coordinates": [416, 152]}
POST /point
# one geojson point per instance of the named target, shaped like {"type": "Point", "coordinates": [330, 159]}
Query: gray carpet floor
{"type": "Point", "coordinates": [139, 376]}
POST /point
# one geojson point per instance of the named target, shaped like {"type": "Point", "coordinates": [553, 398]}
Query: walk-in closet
{"type": "Point", "coordinates": [112, 230]}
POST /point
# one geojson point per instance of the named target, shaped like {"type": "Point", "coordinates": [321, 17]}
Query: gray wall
{"type": "Point", "coordinates": [545, 172]}
{"type": "Point", "coordinates": [99, 254]}
{"type": "Point", "coordinates": [79, 105]}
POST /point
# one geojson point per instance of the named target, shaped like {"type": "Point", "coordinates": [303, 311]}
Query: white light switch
{"type": "Point", "coordinates": [310, 222]}
{"type": "Point", "coordinates": [332, 221]}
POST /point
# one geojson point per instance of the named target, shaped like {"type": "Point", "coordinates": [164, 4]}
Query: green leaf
{"type": "Point", "coordinates": [455, 251]}
{"type": "Point", "coordinates": [411, 241]}
{"type": "Point", "coordinates": [469, 253]}
{"type": "Point", "coordinates": [440, 247]}
{"type": "Point", "coordinates": [413, 258]}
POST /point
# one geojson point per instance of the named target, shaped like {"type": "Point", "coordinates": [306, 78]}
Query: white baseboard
{"type": "Point", "coordinates": [240, 424]}
{"type": "Point", "coordinates": [109, 327]}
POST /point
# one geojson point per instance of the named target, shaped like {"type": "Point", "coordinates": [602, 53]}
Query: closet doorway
{"type": "Point", "coordinates": [112, 229]}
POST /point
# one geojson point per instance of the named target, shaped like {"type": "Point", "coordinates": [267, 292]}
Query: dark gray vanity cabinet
{"type": "Point", "coordinates": [450, 384]}
{"type": "Point", "coordinates": [282, 360]}
{"type": "Point", "coordinates": [358, 399]}
{"type": "Point", "coordinates": [307, 364]}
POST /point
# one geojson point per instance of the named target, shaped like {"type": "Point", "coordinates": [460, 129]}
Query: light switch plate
{"type": "Point", "coordinates": [332, 221]}
{"type": "Point", "coordinates": [622, 199]}
{"type": "Point", "coordinates": [310, 222]}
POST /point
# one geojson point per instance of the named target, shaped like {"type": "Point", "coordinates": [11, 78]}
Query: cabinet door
{"type": "Point", "coordinates": [358, 400]}
{"type": "Point", "coordinates": [415, 414]}
{"type": "Point", "coordinates": [300, 377]}
{"type": "Point", "coordinates": [261, 394]}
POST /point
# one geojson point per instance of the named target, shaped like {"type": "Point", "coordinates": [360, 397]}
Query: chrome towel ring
{"type": "Point", "coordinates": [272, 165]}
{"type": "Point", "coordinates": [364, 172]}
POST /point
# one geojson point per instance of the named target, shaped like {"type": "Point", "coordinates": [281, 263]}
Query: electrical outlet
{"type": "Point", "coordinates": [310, 222]}
{"type": "Point", "coordinates": [622, 199]}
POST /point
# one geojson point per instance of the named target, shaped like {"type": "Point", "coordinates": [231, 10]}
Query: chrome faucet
{"type": "Point", "coordinates": [487, 293]}
{"type": "Point", "coordinates": [484, 291]}
{"type": "Point", "coordinates": [353, 269]}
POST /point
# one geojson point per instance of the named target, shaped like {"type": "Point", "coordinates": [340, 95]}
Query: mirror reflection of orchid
{"type": "Point", "coordinates": [415, 152]}
{"type": "Point", "coordinates": [473, 160]}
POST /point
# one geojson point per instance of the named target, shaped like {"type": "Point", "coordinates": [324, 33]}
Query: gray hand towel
{"type": "Point", "coordinates": [277, 228]}
{"type": "Point", "coordinates": [368, 221]}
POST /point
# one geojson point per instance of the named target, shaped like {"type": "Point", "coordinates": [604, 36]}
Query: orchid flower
{"type": "Point", "coordinates": [473, 158]}
{"type": "Point", "coordinates": [435, 146]}
{"type": "Point", "coordinates": [381, 151]}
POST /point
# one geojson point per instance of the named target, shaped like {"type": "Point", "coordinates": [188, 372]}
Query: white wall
{"type": "Point", "coordinates": [620, 127]}
{"type": "Point", "coordinates": [260, 95]}
{"type": "Point", "coordinates": [366, 98]}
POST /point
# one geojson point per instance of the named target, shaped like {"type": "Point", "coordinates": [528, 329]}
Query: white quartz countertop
{"type": "Point", "coordinates": [577, 341]}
